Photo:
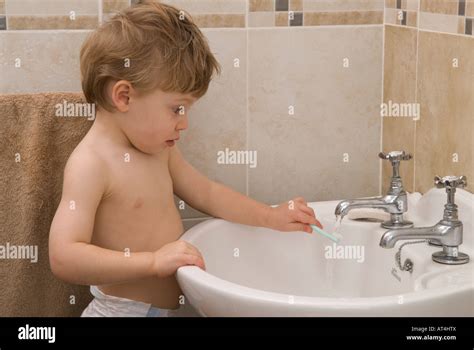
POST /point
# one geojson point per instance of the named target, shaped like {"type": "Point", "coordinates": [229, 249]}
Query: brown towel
{"type": "Point", "coordinates": [35, 144]}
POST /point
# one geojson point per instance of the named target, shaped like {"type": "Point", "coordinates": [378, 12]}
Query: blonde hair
{"type": "Point", "coordinates": [150, 45]}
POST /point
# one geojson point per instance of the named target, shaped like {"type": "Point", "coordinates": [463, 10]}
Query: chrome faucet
{"type": "Point", "coordinates": [447, 232]}
{"type": "Point", "coordinates": [394, 203]}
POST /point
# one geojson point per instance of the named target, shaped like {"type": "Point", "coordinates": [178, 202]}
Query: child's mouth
{"type": "Point", "coordinates": [170, 143]}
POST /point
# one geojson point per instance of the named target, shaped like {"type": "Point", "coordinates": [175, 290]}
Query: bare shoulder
{"type": "Point", "coordinates": [84, 186]}
{"type": "Point", "coordinates": [85, 170]}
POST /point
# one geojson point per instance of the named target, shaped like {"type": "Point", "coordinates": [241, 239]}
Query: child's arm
{"type": "Point", "coordinates": [221, 201]}
{"type": "Point", "coordinates": [72, 256]}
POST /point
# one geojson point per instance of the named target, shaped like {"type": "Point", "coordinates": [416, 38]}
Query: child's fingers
{"type": "Point", "coordinates": [318, 223]}
{"type": "Point", "coordinates": [191, 259]}
{"type": "Point", "coordinates": [304, 218]}
{"type": "Point", "coordinates": [303, 206]}
{"type": "Point", "coordinates": [190, 249]}
{"type": "Point", "coordinates": [299, 227]}
{"type": "Point", "coordinates": [197, 253]}
{"type": "Point", "coordinates": [309, 211]}
{"type": "Point", "coordinates": [315, 221]}
{"type": "Point", "coordinates": [300, 200]}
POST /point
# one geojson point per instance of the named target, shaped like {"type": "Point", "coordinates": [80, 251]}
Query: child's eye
{"type": "Point", "coordinates": [178, 110]}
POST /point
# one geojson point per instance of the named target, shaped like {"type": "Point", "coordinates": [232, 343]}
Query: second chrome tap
{"type": "Point", "coordinates": [394, 202]}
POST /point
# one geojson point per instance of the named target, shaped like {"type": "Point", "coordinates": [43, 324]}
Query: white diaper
{"type": "Point", "coordinates": [104, 305]}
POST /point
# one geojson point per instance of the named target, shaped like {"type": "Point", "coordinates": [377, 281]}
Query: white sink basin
{"type": "Point", "coordinates": [261, 272]}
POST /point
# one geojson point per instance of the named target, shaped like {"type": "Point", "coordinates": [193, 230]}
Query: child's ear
{"type": "Point", "coordinates": [121, 95]}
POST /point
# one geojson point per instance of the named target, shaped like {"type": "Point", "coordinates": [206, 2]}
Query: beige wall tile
{"type": "Point", "coordinates": [447, 104]}
{"type": "Point", "coordinates": [302, 154]}
{"type": "Point", "coordinates": [114, 5]}
{"type": "Point", "coordinates": [2, 7]}
{"type": "Point", "coordinates": [395, 16]}
{"type": "Point", "coordinates": [281, 19]}
{"type": "Point", "coordinates": [49, 60]}
{"type": "Point", "coordinates": [461, 25]}
{"type": "Point", "coordinates": [343, 5]}
{"type": "Point", "coordinates": [412, 5]}
{"type": "Point", "coordinates": [399, 15]}
{"type": "Point", "coordinates": [261, 19]}
{"type": "Point", "coordinates": [296, 5]}
{"type": "Point", "coordinates": [219, 20]}
{"type": "Point", "coordinates": [342, 17]}
{"type": "Point", "coordinates": [438, 22]}
{"type": "Point", "coordinates": [449, 7]}
{"type": "Point", "coordinates": [400, 64]}
{"type": "Point", "coordinates": [210, 6]}
{"type": "Point", "coordinates": [261, 5]}
{"type": "Point", "coordinates": [470, 8]}
{"type": "Point", "coordinates": [391, 3]}
{"type": "Point", "coordinates": [218, 119]}
{"type": "Point", "coordinates": [392, 16]}
{"type": "Point", "coordinates": [52, 22]}
{"type": "Point", "coordinates": [412, 18]}
{"type": "Point", "coordinates": [51, 7]}
{"type": "Point", "coordinates": [399, 87]}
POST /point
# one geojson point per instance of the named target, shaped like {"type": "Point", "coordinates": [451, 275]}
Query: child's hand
{"type": "Point", "coordinates": [173, 255]}
{"type": "Point", "coordinates": [294, 215]}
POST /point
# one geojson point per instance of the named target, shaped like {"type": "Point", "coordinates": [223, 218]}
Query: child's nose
{"type": "Point", "coordinates": [182, 123]}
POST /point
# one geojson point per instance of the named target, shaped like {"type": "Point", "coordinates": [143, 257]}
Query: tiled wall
{"type": "Point", "coordinates": [335, 107]}
{"type": "Point", "coordinates": [3, 19]}
{"type": "Point", "coordinates": [327, 67]}
{"type": "Point", "coordinates": [449, 16]}
{"type": "Point", "coordinates": [313, 12]}
{"type": "Point", "coordinates": [431, 64]}
{"type": "Point", "coordinates": [336, 113]}
{"type": "Point", "coordinates": [87, 14]}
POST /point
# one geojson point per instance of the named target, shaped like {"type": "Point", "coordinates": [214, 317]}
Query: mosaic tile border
{"type": "Point", "coordinates": [447, 16]}
{"type": "Point", "coordinates": [452, 16]}
{"type": "Point", "coordinates": [208, 14]}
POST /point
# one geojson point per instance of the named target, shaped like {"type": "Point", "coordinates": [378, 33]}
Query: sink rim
{"type": "Point", "coordinates": [197, 276]}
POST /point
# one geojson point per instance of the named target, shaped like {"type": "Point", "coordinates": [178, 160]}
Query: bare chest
{"type": "Point", "coordinates": [138, 212]}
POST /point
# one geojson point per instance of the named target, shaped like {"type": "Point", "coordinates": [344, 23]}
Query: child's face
{"type": "Point", "coordinates": [154, 120]}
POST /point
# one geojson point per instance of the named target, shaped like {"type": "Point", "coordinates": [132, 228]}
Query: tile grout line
{"type": "Point", "coordinates": [247, 95]}
{"type": "Point", "coordinates": [416, 94]}
{"type": "Point", "coordinates": [429, 30]}
{"type": "Point", "coordinates": [100, 9]}
{"type": "Point", "coordinates": [382, 101]}
{"type": "Point", "coordinates": [5, 9]}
